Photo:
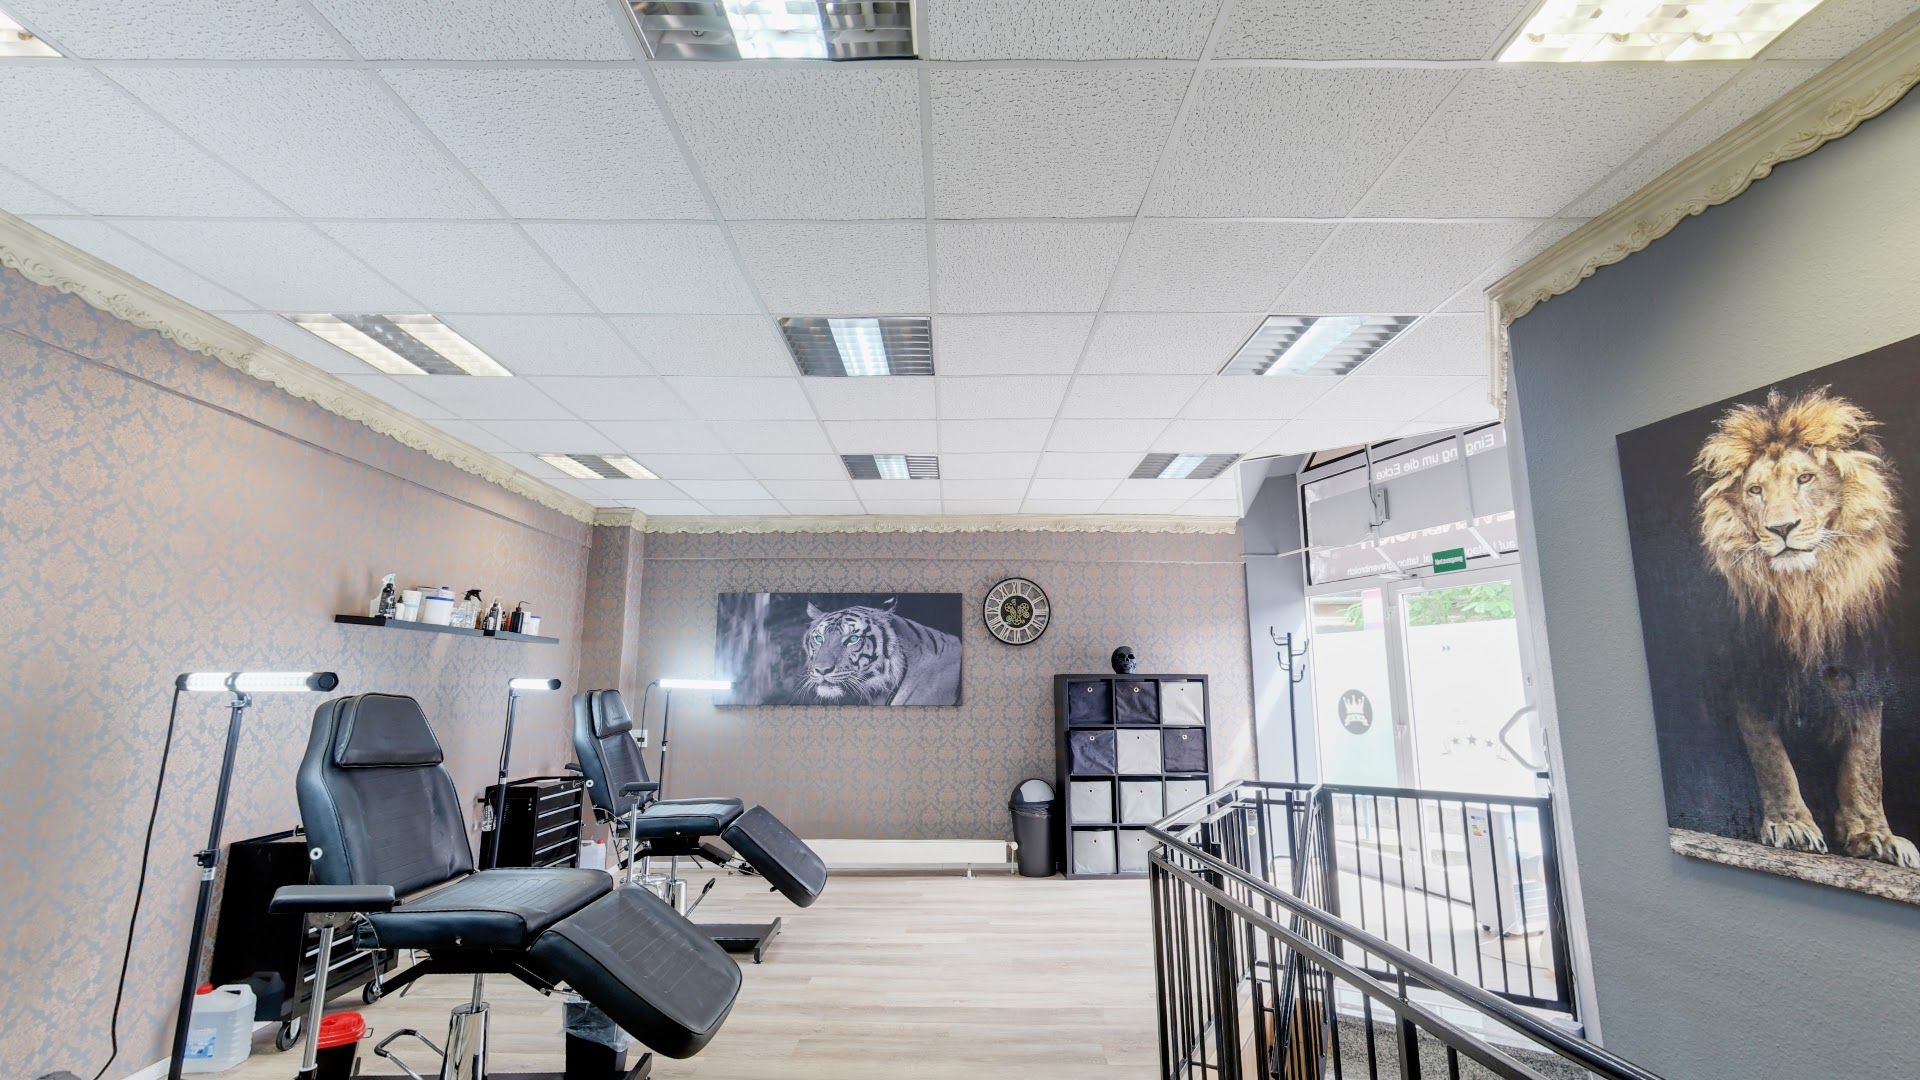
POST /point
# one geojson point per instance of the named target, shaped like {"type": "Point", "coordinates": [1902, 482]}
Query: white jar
{"type": "Point", "coordinates": [220, 1033]}
{"type": "Point", "coordinates": [436, 607]}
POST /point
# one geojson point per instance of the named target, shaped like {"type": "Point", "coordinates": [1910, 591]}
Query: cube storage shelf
{"type": "Point", "coordinates": [1130, 749]}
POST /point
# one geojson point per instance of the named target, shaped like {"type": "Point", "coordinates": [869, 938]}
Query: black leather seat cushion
{"type": "Point", "coordinates": [506, 908]}
{"type": "Point", "coordinates": [782, 858]}
{"type": "Point", "coordinates": [686, 817]}
{"type": "Point", "coordinates": [654, 973]}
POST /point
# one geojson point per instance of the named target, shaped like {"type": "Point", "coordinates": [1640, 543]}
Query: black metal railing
{"type": "Point", "coordinates": [1258, 977]}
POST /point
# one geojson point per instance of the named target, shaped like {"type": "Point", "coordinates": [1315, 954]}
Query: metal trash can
{"type": "Point", "coordinates": [1032, 807]}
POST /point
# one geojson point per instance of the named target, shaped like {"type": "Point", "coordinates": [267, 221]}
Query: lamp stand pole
{"type": "Point", "coordinates": [500, 786]}
{"type": "Point", "coordinates": [666, 718]}
{"type": "Point", "coordinates": [209, 860]}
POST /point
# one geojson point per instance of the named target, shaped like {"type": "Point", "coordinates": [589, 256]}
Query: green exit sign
{"type": "Point", "coordinates": [1450, 559]}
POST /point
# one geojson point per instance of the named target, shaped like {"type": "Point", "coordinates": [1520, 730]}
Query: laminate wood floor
{"type": "Point", "coordinates": [925, 977]}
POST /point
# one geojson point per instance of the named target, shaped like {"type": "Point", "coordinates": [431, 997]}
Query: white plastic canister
{"type": "Point", "coordinates": [220, 1034]}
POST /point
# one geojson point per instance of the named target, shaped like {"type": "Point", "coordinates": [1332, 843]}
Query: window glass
{"type": "Point", "coordinates": [1429, 500]}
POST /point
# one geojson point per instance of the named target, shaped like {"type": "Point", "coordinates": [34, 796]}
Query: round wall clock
{"type": "Point", "coordinates": [1017, 611]}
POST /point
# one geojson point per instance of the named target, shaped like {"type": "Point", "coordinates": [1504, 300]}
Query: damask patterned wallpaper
{"type": "Point", "coordinates": [161, 513]}
{"type": "Point", "coordinates": [916, 773]}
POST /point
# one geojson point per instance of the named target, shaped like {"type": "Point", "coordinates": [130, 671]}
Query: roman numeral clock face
{"type": "Point", "coordinates": [1017, 611]}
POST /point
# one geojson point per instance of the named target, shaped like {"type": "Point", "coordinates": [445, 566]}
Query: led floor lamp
{"type": "Point", "coordinates": [242, 685]}
{"type": "Point", "coordinates": [515, 687]}
{"type": "Point", "coordinates": [666, 713]}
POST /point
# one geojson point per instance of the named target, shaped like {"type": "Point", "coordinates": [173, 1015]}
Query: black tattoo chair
{"type": "Point", "coordinates": [391, 859]}
{"type": "Point", "coordinates": [647, 827]}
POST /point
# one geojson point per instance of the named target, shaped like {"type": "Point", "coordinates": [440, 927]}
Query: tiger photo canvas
{"type": "Point", "coordinates": [1780, 608]}
{"type": "Point", "coordinates": [839, 648]}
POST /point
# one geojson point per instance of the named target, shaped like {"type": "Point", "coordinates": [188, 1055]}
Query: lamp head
{"type": "Point", "coordinates": [522, 686]}
{"type": "Point", "coordinates": [696, 684]}
{"type": "Point", "coordinates": [256, 682]}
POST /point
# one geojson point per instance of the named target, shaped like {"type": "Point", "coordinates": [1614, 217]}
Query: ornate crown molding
{"type": "Point", "coordinates": [46, 260]}
{"type": "Point", "coordinates": [962, 523]}
{"type": "Point", "coordinates": [1853, 90]}
{"type": "Point", "coordinates": [620, 517]}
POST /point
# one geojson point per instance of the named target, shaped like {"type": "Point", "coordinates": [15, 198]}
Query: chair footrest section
{"type": "Point", "coordinates": [742, 937]}
{"type": "Point", "coordinates": [654, 973]}
{"type": "Point", "coordinates": [784, 859]}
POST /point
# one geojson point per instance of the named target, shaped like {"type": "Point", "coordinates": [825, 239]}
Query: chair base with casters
{"type": "Point", "coordinates": [385, 823]}
{"type": "Point", "coordinates": [646, 827]}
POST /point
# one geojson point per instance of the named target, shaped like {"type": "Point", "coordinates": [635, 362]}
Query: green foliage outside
{"type": "Point", "coordinates": [1440, 607]}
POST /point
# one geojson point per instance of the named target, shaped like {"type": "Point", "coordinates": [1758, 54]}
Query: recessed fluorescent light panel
{"type": "Point", "coordinates": [598, 466]}
{"type": "Point", "coordinates": [860, 347]}
{"type": "Point", "coordinates": [892, 466]}
{"type": "Point", "coordinates": [17, 40]}
{"type": "Point", "coordinates": [1580, 31]}
{"type": "Point", "coordinates": [1314, 345]}
{"type": "Point", "coordinates": [1182, 466]}
{"type": "Point", "coordinates": [776, 29]}
{"type": "Point", "coordinates": [403, 344]}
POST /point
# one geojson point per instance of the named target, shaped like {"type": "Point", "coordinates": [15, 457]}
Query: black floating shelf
{"type": "Point", "coordinates": [431, 628]}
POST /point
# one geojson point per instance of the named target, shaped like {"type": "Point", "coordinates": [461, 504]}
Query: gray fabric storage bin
{"type": "Point", "coordinates": [1090, 801]}
{"type": "Point", "coordinates": [1089, 704]}
{"type": "Point", "coordinates": [1135, 844]}
{"type": "Point", "coordinates": [1093, 852]}
{"type": "Point", "coordinates": [1136, 702]}
{"type": "Point", "coordinates": [1185, 750]}
{"type": "Point", "coordinates": [1183, 701]}
{"type": "Point", "coordinates": [1139, 751]}
{"type": "Point", "coordinates": [1141, 802]}
{"type": "Point", "coordinates": [1090, 751]}
{"type": "Point", "coordinates": [1182, 792]}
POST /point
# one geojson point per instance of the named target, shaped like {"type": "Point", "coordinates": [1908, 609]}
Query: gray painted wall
{"type": "Point", "coordinates": [1701, 970]}
{"type": "Point", "coordinates": [1276, 600]}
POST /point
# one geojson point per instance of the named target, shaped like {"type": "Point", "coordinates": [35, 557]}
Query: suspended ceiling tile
{"type": "Point", "coordinates": [109, 244]}
{"type": "Point", "coordinates": [613, 399]}
{"type": "Point", "coordinates": [22, 198]}
{"type": "Point", "coordinates": [1014, 488]}
{"type": "Point", "coordinates": [463, 30]}
{"type": "Point", "coordinates": [1077, 488]}
{"type": "Point", "coordinates": [911, 507]}
{"type": "Point", "coordinates": [279, 265]}
{"type": "Point", "coordinates": [802, 141]}
{"type": "Point", "coordinates": [897, 490]}
{"type": "Point", "coordinates": [824, 508]}
{"type": "Point", "coordinates": [1256, 397]}
{"type": "Point", "coordinates": [551, 436]}
{"type": "Point", "coordinates": [1292, 141]}
{"type": "Point", "coordinates": [705, 490]}
{"type": "Point", "coordinates": [1211, 265]}
{"type": "Point", "coordinates": [396, 393]}
{"type": "Point", "coordinates": [557, 142]}
{"type": "Point", "coordinates": [1001, 466]}
{"type": "Point", "coordinates": [1049, 142]}
{"type": "Point", "coordinates": [661, 436]}
{"type": "Point", "coordinates": [992, 436]}
{"type": "Point", "coordinates": [1067, 29]}
{"type": "Point", "coordinates": [1396, 268]}
{"type": "Point", "coordinates": [1754, 89]}
{"type": "Point", "coordinates": [73, 133]}
{"type": "Point", "coordinates": [809, 489]}
{"type": "Point", "coordinates": [1130, 343]}
{"type": "Point", "coordinates": [1180, 490]}
{"type": "Point", "coordinates": [743, 399]}
{"type": "Point", "coordinates": [1129, 396]}
{"type": "Point", "coordinates": [1069, 465]}
{"type": "Point", "coordinates": [1436, 345]}
{"type": "Point", "coordinates": [613, 490]}
{"type": "Point", "coordinates": [1210, 508]}
{"type": "Point", "coordinates": [659, 268]}
{"type": "Point", "coordinates": [800, 437]}
{"type": "Point", "coordinates": [684, 467]}
{"type": "Point", "coordinates": [180, 29]}
{"type": "Point", "coordinates": [275, 330]}
{"type": "Point", "coordinates": [746, 507]}
{"type": "Point", "coordinates": [995, 397]}
{"type": "Point", "coordinates": [1310, 434]}
{"type": "Point", "coordinates": [1008, 344]}
{"type": "Point", "coordinates": [883, 436]}
{"type": "Point", "coordinates": [708, 344]}
{"type": "Point", "coordinates": [900, 398]}
{"type": "Point", "coordinates": [1522, 140]}
{"type": "Point", "coordinates": [823, 466]}
{"type": "Point", "coordinates": [329, 142]}
{"type": "Point", "coordinates": [551, 344]}
{"type": "Point", "coordinates": [1141, 506]}
{"type": "Point", "coordinates": [1837, 27]}
{"type": "Point", "coordinates": [837, 268]}
{"type": "Point", "coordinates": [474, 435]}
{"type": "Point", "coordinates": [1369, 29]}
{"type": "Point", "coordinates": [1105, 435]}
{"type": "Point", "coordinates": [1398, 398]}
{"type": "Point", "coordinates": [1470, 405]}
{"type": "Point", "coordinates": [1214, 436]}
{"type": "Point", "coordinates": [666, 507]}
{"type": "Point", "coordinates": [462, 266]}
{"type": "Point", "coordinates": [1025, 266]}
{"type": "Point", "coordinates": [1060, 506]}
{"type": "Point", "coordinates": [980, 506]}
{"type": "Point", "coordinates": [470, 398]}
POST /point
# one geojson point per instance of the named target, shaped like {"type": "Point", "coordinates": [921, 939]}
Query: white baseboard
{"type": "Point", "coordinates": [914, 854]}
{"type": "Point", "coordinates": [158, 1069]}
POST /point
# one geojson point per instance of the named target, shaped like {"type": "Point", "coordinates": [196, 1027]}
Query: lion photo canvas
{"type": "Point", "coordinates": [1780, 606]}
{"type": "Point", "coordinates": [838, 648]}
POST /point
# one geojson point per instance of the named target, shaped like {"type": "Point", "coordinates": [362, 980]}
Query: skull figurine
{"type": "Point", "coordinates": [1123, 660]}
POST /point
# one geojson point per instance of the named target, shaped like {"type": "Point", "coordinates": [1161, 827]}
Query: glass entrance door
{"type": "Point", "coordinates": [1353, 690]}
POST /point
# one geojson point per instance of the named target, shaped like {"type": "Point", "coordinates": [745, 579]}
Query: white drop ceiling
{"type": "Point", "coordinates": [1097, 202]}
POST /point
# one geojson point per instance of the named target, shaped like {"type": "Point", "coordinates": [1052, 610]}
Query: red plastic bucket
{"type": "Point", "coordinates": [337, 1044]}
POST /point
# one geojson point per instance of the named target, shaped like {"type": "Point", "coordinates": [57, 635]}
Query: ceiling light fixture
{"type": "Point", "coordinates": [598, 466]}
{"type": "Point", "coordinates": [844, 347]}
{"type": "Point", "coordinates": [775, 29]}
{"type": "Point", "coordinates": [1314, 345]}
{"type": "Point", "coordinates": [1581, 31]}
{"type": "Point", "coordinates": [403, 344]}
{"type": "Point", "coordinates": [892, 466]}
{"type": "Point", "coordinates": [1185, 466]}
{"type": "Point", "coordinates": [18, 41]}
